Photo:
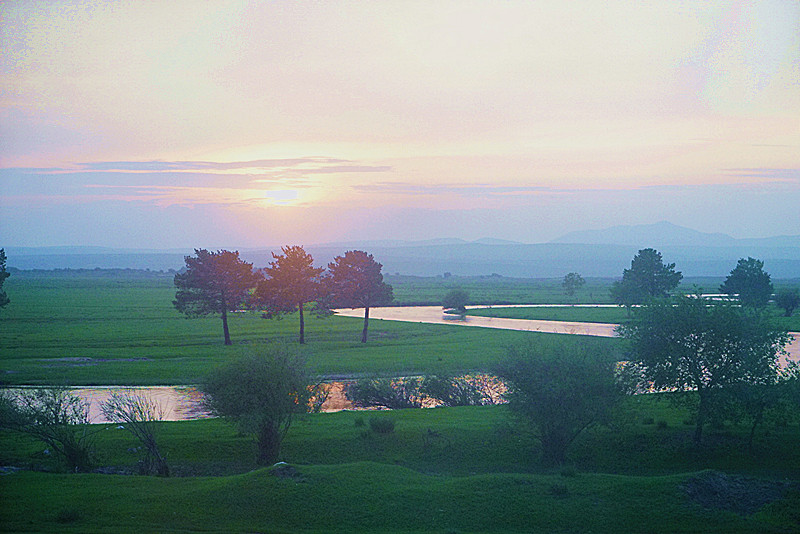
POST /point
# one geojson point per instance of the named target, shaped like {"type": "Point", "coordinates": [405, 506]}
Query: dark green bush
{"type": "Point", "coordinates": [381, 425]}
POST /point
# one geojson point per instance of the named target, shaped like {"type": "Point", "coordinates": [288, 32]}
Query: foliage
{"type": "Point", "coordinates": [4, 300]}
{"type": "Point", "coordinates": [788, 300]}
{"type": "Point", "coordinates": [355, 280]}
{"type": "Point", "coordinates": [56, 417]}
{"type": "Point", "coordinates": [290, 281]}
{"type": "Point", "coordinates": [647, 278]}
{"type": "Point", "coordinates": [471, 390]}
{"type": "Point", "coordinates": [456, 300]}
{"type": "Point", "coordinates": [750, 282]}
{"type": "Point", "coordinates": [572, 282]}
{"type": "Point", "coordinates": [694, 344]}
{"type": "Point", "coordinates": [214, 282]}
{"type": "Point", "coordinates": [561, 393]}
{"type": "Point", "coordinates": [261, 392]}
{"type": "Point", "coordinates": [393, 393]}
{"type": "Point", "coordinates": [140, 416]}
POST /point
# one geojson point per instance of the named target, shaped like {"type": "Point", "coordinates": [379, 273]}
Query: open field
{"type": "Point", "coordinates": [95, 330]}
{"type": "Point", "coordinates": [470, 469]}
{"type": "Point", "coordinates": [442, 470]}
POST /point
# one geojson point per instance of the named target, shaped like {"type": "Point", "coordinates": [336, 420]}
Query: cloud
{"type": "Point", "coordinates": [466, 190]}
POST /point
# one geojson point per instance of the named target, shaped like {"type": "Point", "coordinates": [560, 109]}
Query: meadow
{"type": "Point", "coordinates": [468, 469]}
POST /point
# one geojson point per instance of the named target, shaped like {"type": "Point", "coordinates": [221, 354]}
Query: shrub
{"type": "Point", "coordinates": [560, 391]}
{"type": "Point", "coordinates": [389, 393]}
{"type": "Point", "coordinates": [458, 391]}
{"type": "Point", "coordinates": [141, 417]}
{"type": "Point", "coordinates": [261, 392]}
{"type": "Point", "coordinates": [56, 417]}
{"type": "Point", "coordinates": [381, 425]}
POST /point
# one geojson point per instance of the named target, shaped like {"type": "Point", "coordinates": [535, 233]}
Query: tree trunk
{"type": "Point", "coordinates": [269, 445]}
{"type": "Point", "coordinates": [225, 327]}
{"type": "Point", "coordinates": [701, 416]}
{"type": "Point", "coordinates": [366, 324]}
{"type": "Point", "coordinates": [302, 324]}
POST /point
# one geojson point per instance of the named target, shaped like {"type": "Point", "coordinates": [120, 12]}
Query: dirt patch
{"type": "Point", "coordinates": [734, 493]}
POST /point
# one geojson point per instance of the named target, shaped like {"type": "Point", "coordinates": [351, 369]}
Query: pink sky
{"type": "Point", "coordinates": [180, 124]}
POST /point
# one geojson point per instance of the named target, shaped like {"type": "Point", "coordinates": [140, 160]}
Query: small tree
{"type": "Point", "coordinates": [788, 300]}
{"type": "Point", "coordinates": [214, 282]}
{"type": "Point", "coordinates": [290, 281]}
{"type": "Point", "coordinates": [572, 282]}
{"type": "Point", "coordinates": [141, 416]}
{"type": "Point", "coordinates": [261, 392]}
{"type": "Point", "coordinates": [456, 300]}
{"type": "Point", "coordinates": [750, 282]}
{"type": "Point", "coordinates": [693, 344]}
{"type": "Point", "coordinates": [560, 391]}
{"type": "Point", "coordinates": [355, 280]}
{"type": "Point", "coordinates": [56, 417]}
{"type": "Point", "coordinates": [647, 278]}
{"type": "Point", "coordinates": [3, 275]}
{"type": "Point", "coordinates": [392, 393]}
{"type": "Point", "coordinates": [459, 390]}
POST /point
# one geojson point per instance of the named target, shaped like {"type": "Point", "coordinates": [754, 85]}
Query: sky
{"type": "Point", "coordinates": [222, 124]}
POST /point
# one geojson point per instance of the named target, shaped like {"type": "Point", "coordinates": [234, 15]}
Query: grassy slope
{"type": "Point", "coordinates": [456, 469]}
{"type": "Point", "coordinates": [125, 331]}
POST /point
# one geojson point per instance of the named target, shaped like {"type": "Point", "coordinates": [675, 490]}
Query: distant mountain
{"type": "Point", "coordinates": [664, 234]}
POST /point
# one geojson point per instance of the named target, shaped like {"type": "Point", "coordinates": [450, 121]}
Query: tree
{"type": "Point", "coordinates": [750, 282]}
{"type": "Point", "coordinates": [3, 275]}
{"type": "Point", "coordinates": [789, 300]}
{"type": "Point", "coordinates": [290, 281]}
{"type": "Point", "coordinates": [561, 391]}
{"type": "Point", "coordinates": [214, 282]}
{"type": "Point", "coordinates": [140, 416]}
{"type": "Point", "coordinates": [572, 282]}
{"type": "Point", "coordinates": [647, 278]}
{"type": "Point", "coordinates": [456, 300]}
{"type": "Point", "coordinates": [261, 392]}
{"type": "Point", "coordinates": [693, 344]}
{"type": "Point", "coordinates": [355, 280]}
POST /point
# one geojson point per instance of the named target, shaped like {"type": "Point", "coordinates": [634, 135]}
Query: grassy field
{"type": "Point", "coordinates": [94, 330]}
{"type": "Point", "coordinates": [442, 470]}
{"type": "Point", "coordinates": [473, 469]}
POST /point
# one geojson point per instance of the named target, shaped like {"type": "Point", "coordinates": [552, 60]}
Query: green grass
{"type": "Point", "coordinates": [448, 469]}
{"type": "Point", "coordinates": [107, 330]}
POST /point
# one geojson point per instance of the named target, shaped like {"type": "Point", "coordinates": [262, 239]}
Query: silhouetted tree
{"type": "Point", "coordinates": [750, 282]}
{"type": "Point", "coordinates": [355, 280]}
{"type": "Point", "coordinates": [788, 300]}
{"type": "Point", "coordinates": [572, 282]}
{"type": "Point", "coordinates": [693, 344]}
{"type": "Point", "coordinates": [290, 281]}
{"type": "Point", "coordinates": [647, 278]}
{"type": "Point", "coordinates": [214, 282]}
{"type": "Point", "coordinates": [3, 275]}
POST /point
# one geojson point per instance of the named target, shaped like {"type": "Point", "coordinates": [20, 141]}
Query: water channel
{"type": "Point", "coordinates": [182, 403]}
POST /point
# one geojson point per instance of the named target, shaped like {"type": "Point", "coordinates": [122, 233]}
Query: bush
{"type": "Point", "coordinates": [56, 417]}
{"type": "Point", "coordinates": [381, 425]}
{"type": "Point", "coordinates": [141, 417]}
{"type": "Point", "coordinates": [560, 391]}
{"type": "Point", "coordinates": [261, 392]}
{"type": "Point", "coordinates": [389, 393]}
{"type": "Point", "coordinates": [458, 391]}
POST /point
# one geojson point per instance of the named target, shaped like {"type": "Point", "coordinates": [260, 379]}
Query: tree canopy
{"type": "Point", "coordinates": [788, 300]}
{"type": "Point", "coordinates": [750, 282]}
{"type": "Point", "coordinates": [572, 282]}
{"type": "Point", "coordinates": [289, 282]}
{"type": "Point", "coordinates": [693, 344]}
{"type": "Point", "coordinates": [214, 282]}
{"type": "Point", "coordinates": [649, 277]}
{"type": "Point", "coordinates": [355, 280]}
{"type": "Point", "coordinates": [3, 275]}
{"type": "Point", "coordinates": [456, 300]}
